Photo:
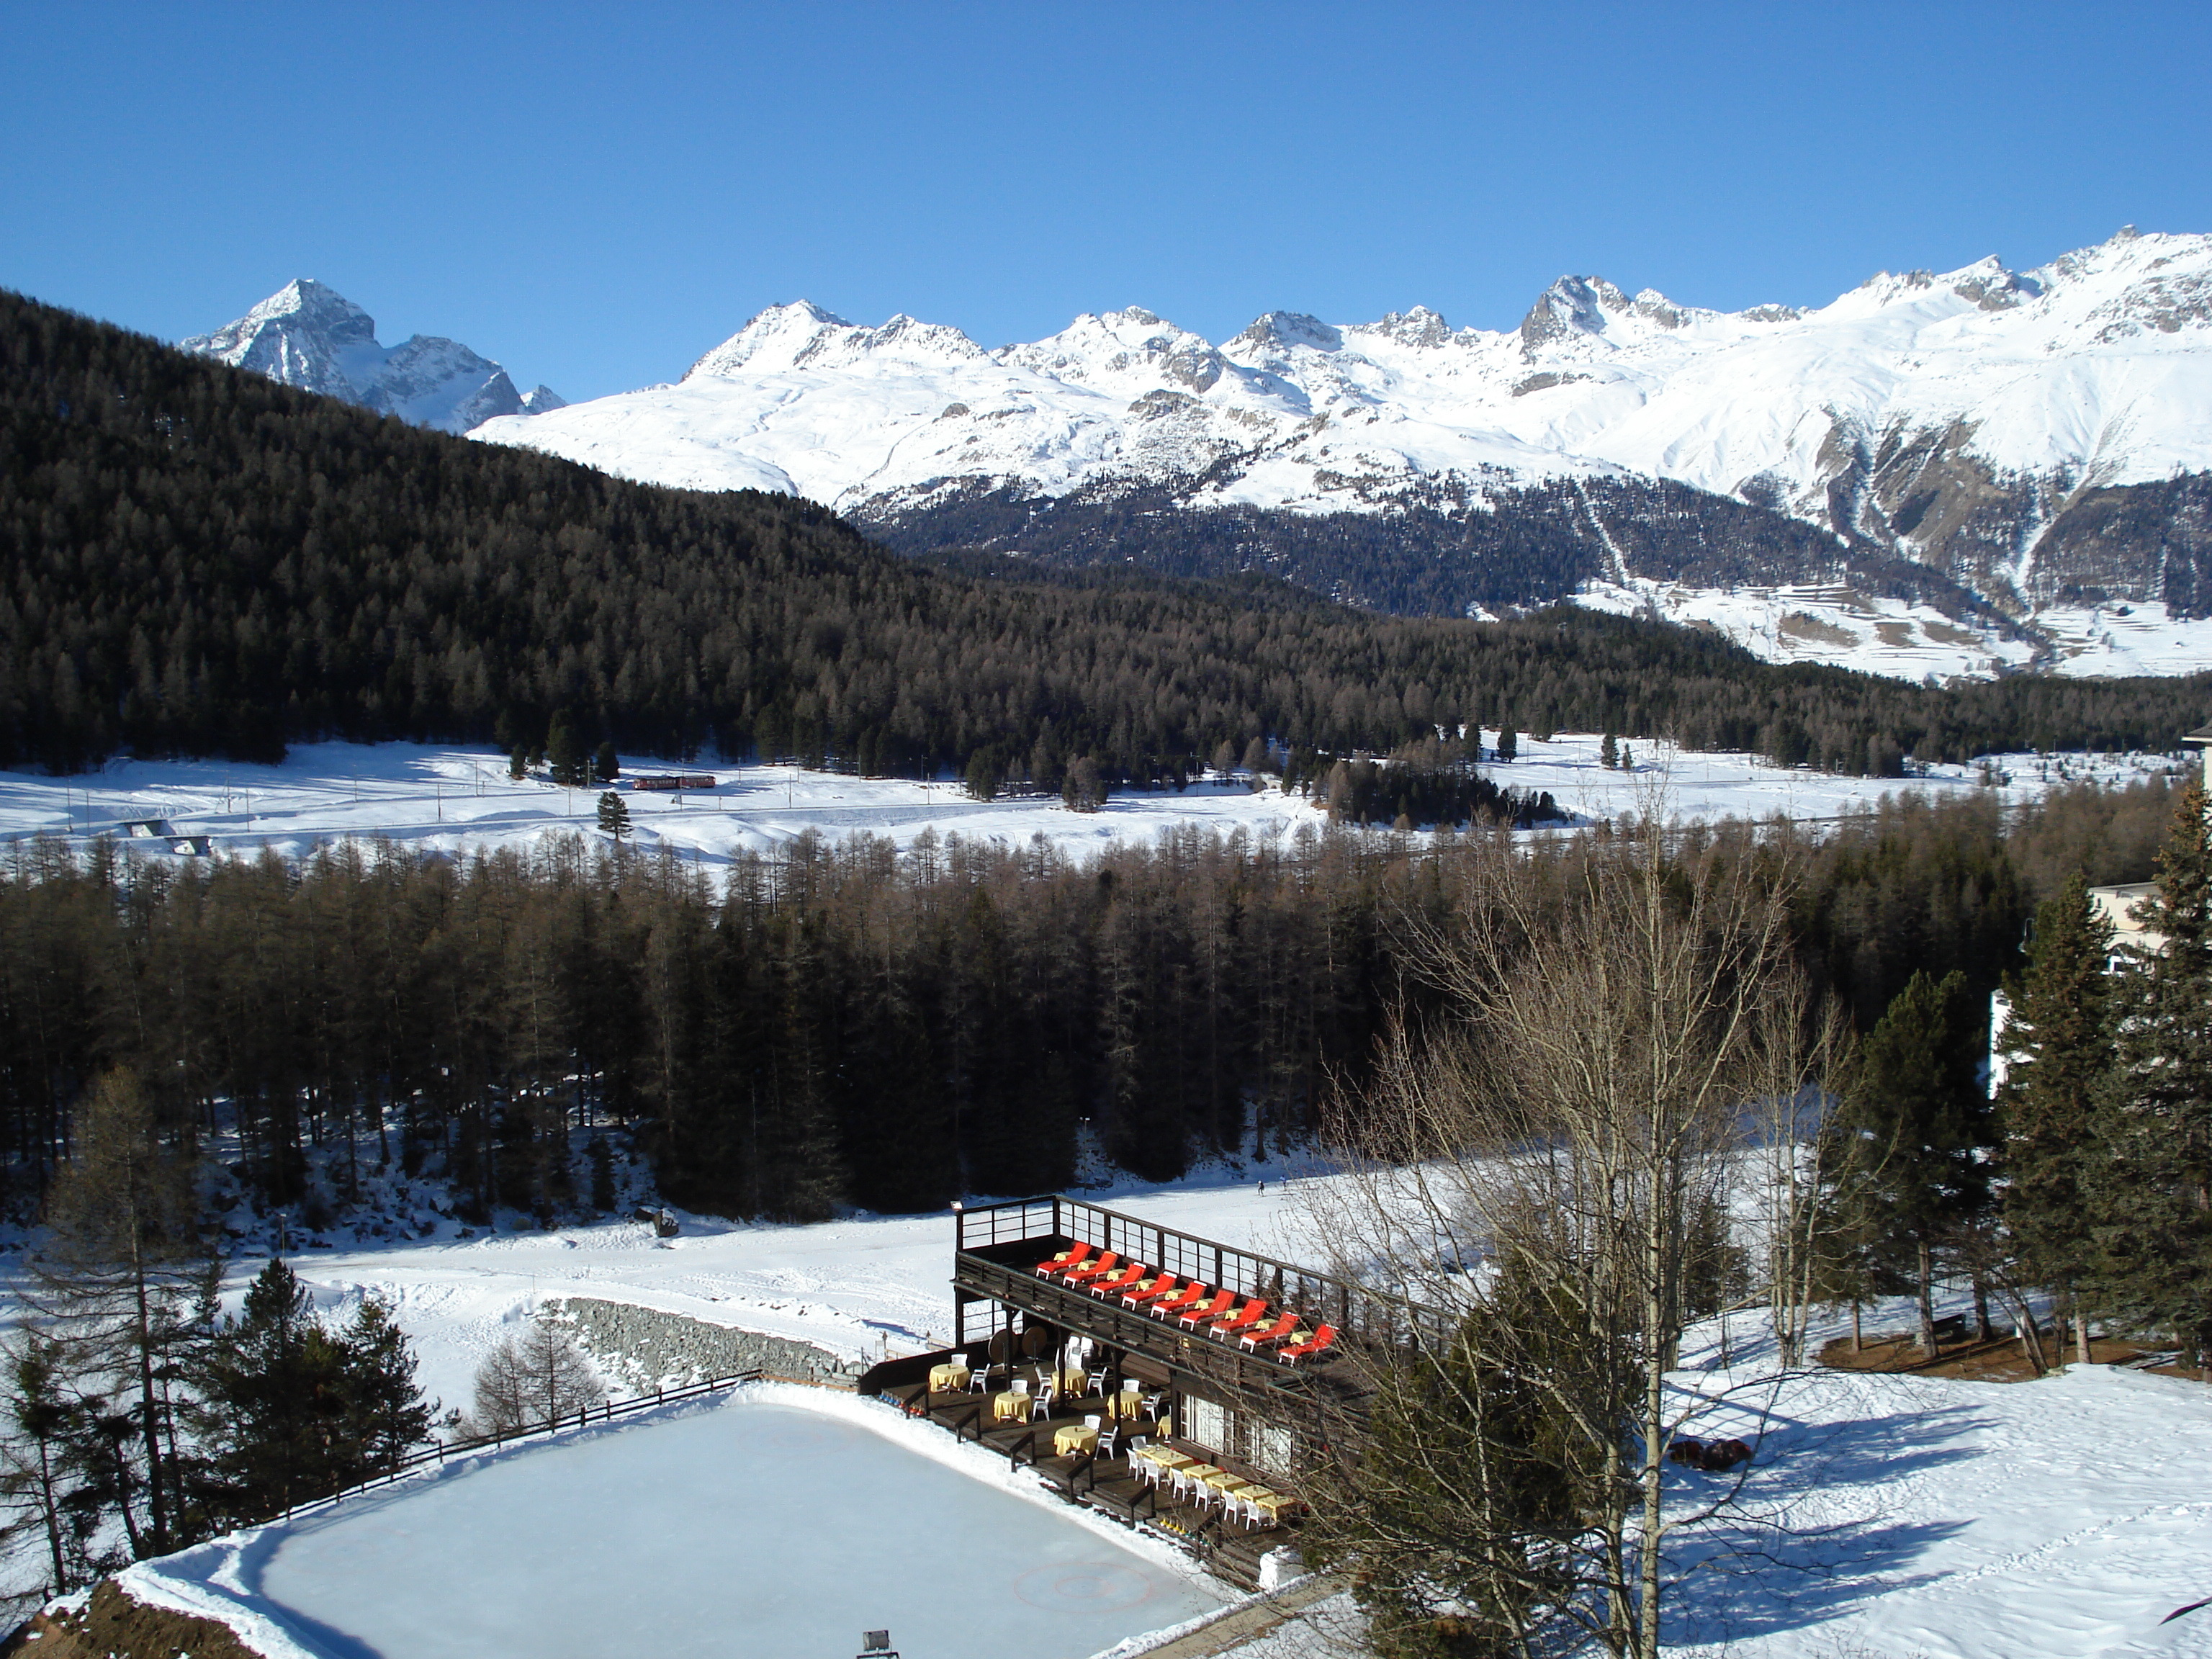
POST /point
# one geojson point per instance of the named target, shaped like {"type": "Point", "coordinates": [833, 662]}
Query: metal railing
{"type": "Point", "coordinates": [1355, 1309]}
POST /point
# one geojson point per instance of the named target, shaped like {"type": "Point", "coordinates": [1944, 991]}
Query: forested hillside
{"type": "Point", "coordinates": [1529, 544]}
{"type": "Point", "coordinates": [195, 560]}
{"type": "Point", "coordinates": [848, 1023]}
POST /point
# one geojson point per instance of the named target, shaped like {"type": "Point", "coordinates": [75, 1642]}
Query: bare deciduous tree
{"type": "Point", "coordinates": [537, 1377]}
{"type": "Point", "coordinates": [123, 1280]}
{"type": "Point", "coordinates": [1542, 1161]}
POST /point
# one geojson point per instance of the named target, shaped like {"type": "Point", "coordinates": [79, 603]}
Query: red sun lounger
{"type": "Point", "coordinates": [1176, 1304]}
{"type": "Point", "coordinates": [1254, 1311]}
{"type": "Point", "coordinates": [1120, 1281]}
{"type": "Point", "coordinates": [1066, 1262]}
{"type": "Point", "coordinates": [1163, 1286]}
{"type": "Point", "coordinates": [1274, 1332]}
{"type": "Point", "coordinates": [1084, 1275]}
{"type": "Point", "coordinates": [1321, 1338]}
{"type": "Point", "coordinates": [1206, 1312]}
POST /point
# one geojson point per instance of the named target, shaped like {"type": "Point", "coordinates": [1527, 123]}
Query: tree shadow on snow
{"type": "Point", "coordinates": [1819, 1524]}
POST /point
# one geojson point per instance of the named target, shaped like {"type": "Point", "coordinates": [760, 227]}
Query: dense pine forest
{"type": "Point", "coordinates": [196, 560]}
{"type": "Point", "coordinates": [1528, 544]}
{"type": "Point", "coordinates": [846, 1023]}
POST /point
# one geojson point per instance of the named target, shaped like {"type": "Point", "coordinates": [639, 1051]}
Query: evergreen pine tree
{"type": "Point", "coordinates": [290, 1410]}
{"type": "Point", "coordinates": [271, 1402]}
{"type": "Point", "coordinates": [600, 1160]}
{"type": "Point", "coordinates": [1508, 745]}
{"type": "Point", "coordinates": [1609, 754]}
{"type": "Point", "coordinates": [2059, 1050]}
{"type": "Point", "coordinates": [1909, 1175]}
{"type": "Point", "coordinates": [2153, 1201]}
{"type": "Point", "coordinates": [564, 755]}
{"type": "Point", "coordinates": [614, 814]}
{"type": "Point", "coordinates": [385, 1412]}
{"type": "Point", "coordinates": [606, 766]}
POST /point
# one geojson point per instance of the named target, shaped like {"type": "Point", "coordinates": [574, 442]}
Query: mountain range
{"type": "Point", "coordinates": [309, 336]}
{"type": "Point", "coordinates": [1970, 473]}
{"type": "Point", "coordinates": [1966, 472]}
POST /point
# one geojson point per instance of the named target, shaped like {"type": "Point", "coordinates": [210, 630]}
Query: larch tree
{"type": "Point", "coordinates": [537, 1377]}
{"type": "Point", "coordinates": [125, 1282]}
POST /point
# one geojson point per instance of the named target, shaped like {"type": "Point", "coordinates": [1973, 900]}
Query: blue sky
{"type": "Point", "coordinates": [594, 195]}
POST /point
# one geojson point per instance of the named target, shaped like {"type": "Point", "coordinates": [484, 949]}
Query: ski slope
{"type": "Point", "coordinates": [460, 800]}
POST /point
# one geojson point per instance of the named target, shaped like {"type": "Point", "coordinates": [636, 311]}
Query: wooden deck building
{"type": "Point", "coordinates": [1255, 1393]}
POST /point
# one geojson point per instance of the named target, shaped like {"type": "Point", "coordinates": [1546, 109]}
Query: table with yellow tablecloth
{"type": "Point", "coordinates": [1011, 1407]}
{"type": "Point", "coordinates": [1074, 1438]}
{"type": "Point", "coordinates": [946, 1378]}
{"type": "Point", "coordinates": [1273, 1503]}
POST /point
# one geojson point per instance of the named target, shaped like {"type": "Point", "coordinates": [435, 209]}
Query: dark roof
{"type": "Point", "coordinates": [2202, 734]}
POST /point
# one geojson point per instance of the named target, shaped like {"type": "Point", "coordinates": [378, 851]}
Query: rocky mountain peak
{"type": "Point", "coordinates": [1573, 305]}
{"type": "Point", "coordinates": [310, 335]}
{"type": "Point", "coordinates": [1419, 327]}
{"type": "Point", "coordinates": [1279, 331]}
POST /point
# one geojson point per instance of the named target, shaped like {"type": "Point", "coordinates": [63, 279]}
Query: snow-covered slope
{"type": "Point", "coordinates": [313, 337]}
{"type": "Point", "coordinates": [1895, 1515]}
{"type": "Point", "coordinates": [1977, 422]}
{"type": "Point", "coordinates": [2096, 369]}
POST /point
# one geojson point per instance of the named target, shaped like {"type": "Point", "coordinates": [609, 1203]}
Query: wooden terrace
{"type": "Point", "coordinates": [1230, 1547]}
{"type": "Point", "coordinates": [1234, 1368]}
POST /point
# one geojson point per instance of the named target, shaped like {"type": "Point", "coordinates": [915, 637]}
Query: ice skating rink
{"type": "Point", "coordinates": [755, 1528]}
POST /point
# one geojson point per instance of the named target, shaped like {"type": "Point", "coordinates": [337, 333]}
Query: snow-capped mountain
{"type": "Point", "coordinates": [313, 337]}
{"type": "Point", "coordinates": [2026, 438]}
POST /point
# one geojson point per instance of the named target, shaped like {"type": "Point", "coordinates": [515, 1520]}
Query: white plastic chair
{"type": "Point", "coordinates": [1094, 1421]}
{"type": "Point", "coordinates": [1097, 1381]}
{"type": "Point", "coordinates": [1020, 1385]}
{"type": "Point", "coordinates": [1042, 1408]}
{"type": "Point", "coordinates": [979, 1377]}
{"type": "Point", "coordinates": [1106, 1442]}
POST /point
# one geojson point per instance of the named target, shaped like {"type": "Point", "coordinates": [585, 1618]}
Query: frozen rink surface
{"type": "Point", "coordinates": [755, 1527]}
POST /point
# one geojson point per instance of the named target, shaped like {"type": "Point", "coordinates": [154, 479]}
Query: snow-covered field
{"type": "Point", "coordinates": [460, 798]}
{"type": "Point", "coordinates": [1890, 1516]}
{"type": "Point", "coordinates": [781, 1522]}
